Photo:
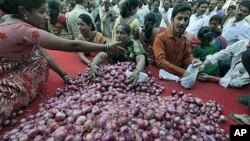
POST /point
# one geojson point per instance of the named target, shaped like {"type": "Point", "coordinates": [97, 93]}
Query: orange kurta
{"type": "Point", "coordinates": [172, 54]}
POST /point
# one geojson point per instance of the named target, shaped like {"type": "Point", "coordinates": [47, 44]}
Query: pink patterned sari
{"type": "Point", "coordinates": [23, 70]}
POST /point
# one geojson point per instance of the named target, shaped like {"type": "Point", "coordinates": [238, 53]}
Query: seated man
{"type": "Point", "coordinates": [238, 75]}
{"type": "Point", "coordinates": [172, 46]}
{"type": "Point", "coordinates": [239, 29]}
{"type": "Point", "coordinates": [199, 19]}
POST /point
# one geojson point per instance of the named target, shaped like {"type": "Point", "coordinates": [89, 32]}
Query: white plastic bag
{"type": "Point", "coordinates": [168, 76]}
{"type": "Point", "coordinates": [141, 78]}
{"type": "Point", "coordinates": [224, 81]}
{"type": "Point", "coordinates": [188, 82]}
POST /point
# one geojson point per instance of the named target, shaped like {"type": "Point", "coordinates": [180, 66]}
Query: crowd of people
{"type": "Point", "coordinates": [213, 35]}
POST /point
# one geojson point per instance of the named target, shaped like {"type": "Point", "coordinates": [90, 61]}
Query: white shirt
{"type": "Point", "coordinates": [142, 12]}
{"type": "Point", "coordinates": [210, 14]}
{"type": "Point", "coordinates": [237, 76]}
{"type": "Point", "coordinates": [72, 20]}
{"type": "Point", "coordinates": [234, 32]}
{"type": "Point", "coordinates": [196, 23]}
{"type": "Point", "coordinates": [117, 10]}
{"type": "Point", "coordinates": [167, 15]}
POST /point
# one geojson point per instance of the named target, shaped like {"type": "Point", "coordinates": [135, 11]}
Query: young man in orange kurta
{"type": "Point", "coordinates": [172, 47]}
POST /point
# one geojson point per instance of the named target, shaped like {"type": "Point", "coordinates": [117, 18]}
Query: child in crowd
{"type": "Point", "coordinates": [207, 47]}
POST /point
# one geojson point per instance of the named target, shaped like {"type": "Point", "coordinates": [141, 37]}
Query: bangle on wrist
{"type": "Point", "coordinates": [63, 74]}
{"type": "Point", "coordinates": [106, 47]}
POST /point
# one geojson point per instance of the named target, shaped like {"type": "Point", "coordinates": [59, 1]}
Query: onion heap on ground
{"type": "Point", "coordinates": [108, 109]}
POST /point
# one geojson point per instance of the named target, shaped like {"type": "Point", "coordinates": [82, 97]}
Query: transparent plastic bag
{"type": "Point", "coordinates": [168, 76]}
{"type": "Point", "coordinates": [141, 78]}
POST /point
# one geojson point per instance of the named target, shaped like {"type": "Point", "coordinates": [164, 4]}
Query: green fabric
{"type": "Point", "coordinates": [202, 52]}
{"type": "Point", "coordinates": [134, 48]}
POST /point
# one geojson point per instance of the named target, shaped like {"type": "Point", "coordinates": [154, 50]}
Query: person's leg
{"type": "Point", "coordinates": [246, 60]}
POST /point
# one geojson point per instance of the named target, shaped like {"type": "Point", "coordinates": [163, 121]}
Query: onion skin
{"type": "Point", "coordinates": [107, 108]}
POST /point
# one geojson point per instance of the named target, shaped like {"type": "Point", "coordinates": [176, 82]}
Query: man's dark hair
{"type": "Point", "coordinates": [205, 36]}
{"type": "Point", "coordinates": [87, 19]}
{"type": "Point", "coordinates": [29, 5]}
{"type": "Point", "coordinates": [79, 1]}
{"type": "Point", "coordinates": [54, 10]}
{"type": "Point", "coordinates": [72, 3]}
{"type": "Point", "coordinates": [216, 18]}
{"type": "Point", "coordinates": [245, 4]}
{"type": "Point", "coordinates": [125, 27]}
{"type": "Point", "coordinates": [233, 7]}
{"type": "Point", "coordinates": [149, 25]}
{"type": "Point", "coordinates": [200, 2]}
{"type": "Point", "coordinates": [181, 8]}
{"type": "Point", "coordinates": [127, 7]}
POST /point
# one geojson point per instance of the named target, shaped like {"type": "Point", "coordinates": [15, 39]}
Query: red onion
{"type": "Point", "coordinates": [32, 133]}
{"type": "Point", "coordinates": [102, 121]}
{"type": "Point", "coordinates": [171, 109]}
{"type": "Point", "coordinates": [120, 111]}
{"type": "Point", "coordinates": [90, 137]}
{"type": "Point", "coordinates": [60, 135]}
{"type": "Point", "coordinates": [60, 116]}
{"type": "Point", "coordinates": [97, 136]}
{"type": "Point", "coordinates": [38, 138]}
{"type": "Point", "coordinates": [81, 120]}
{"type": "Point", "coordinates": [108, 137]}
{"type": "Point", "coordinates": [155, 133]}
{"type": "Point", "coordinates": [69, 138]}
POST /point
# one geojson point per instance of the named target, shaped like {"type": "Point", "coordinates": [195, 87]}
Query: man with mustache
{"type": "Point", "coordinates": [172, 46]}
{"type": "Point", "coordinates": [239, 29]}
{"type": "Point", "coordinates": [199, 19]}
{"type": "Point", "coordinates": [211, 8]}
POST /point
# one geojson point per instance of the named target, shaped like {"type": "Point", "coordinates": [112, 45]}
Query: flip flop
{"type": "Point", "coordinates": [245, 119]}
{"type": "Point", "coordinates": [236, 119]}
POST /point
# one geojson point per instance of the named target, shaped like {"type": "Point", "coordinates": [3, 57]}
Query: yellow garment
{"type": "Point", "coordinates": [134, 27]}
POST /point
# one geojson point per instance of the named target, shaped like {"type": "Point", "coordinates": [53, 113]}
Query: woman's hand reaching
{"type": "Point", "coordinates": [115, 48]}
{"type": "Point", "coordinates": [133, 78]}
{"type": "Point", "coordinates": [66, 78]}
{"type": "Point", "coordinates": [94, 70]}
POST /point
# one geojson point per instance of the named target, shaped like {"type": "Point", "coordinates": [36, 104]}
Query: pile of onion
{"type": "Point", "coordinates": [107, 109]}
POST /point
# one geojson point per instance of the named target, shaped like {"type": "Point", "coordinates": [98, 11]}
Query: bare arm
{"type": "Point", "coordinates": [50, 41]}
{"type": "Point", "coordinates": [141, 61]}
{"type": "Point", "coordinates": [214, 79]}
{"type": "Point", "coordinates": [53, 65]}
{"type": "Point", "coordinates": [56, 43]}
{"type": "Point", "coordinates": [84, 58]}
{"type": "Point", "coordinates": [100, 58]}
